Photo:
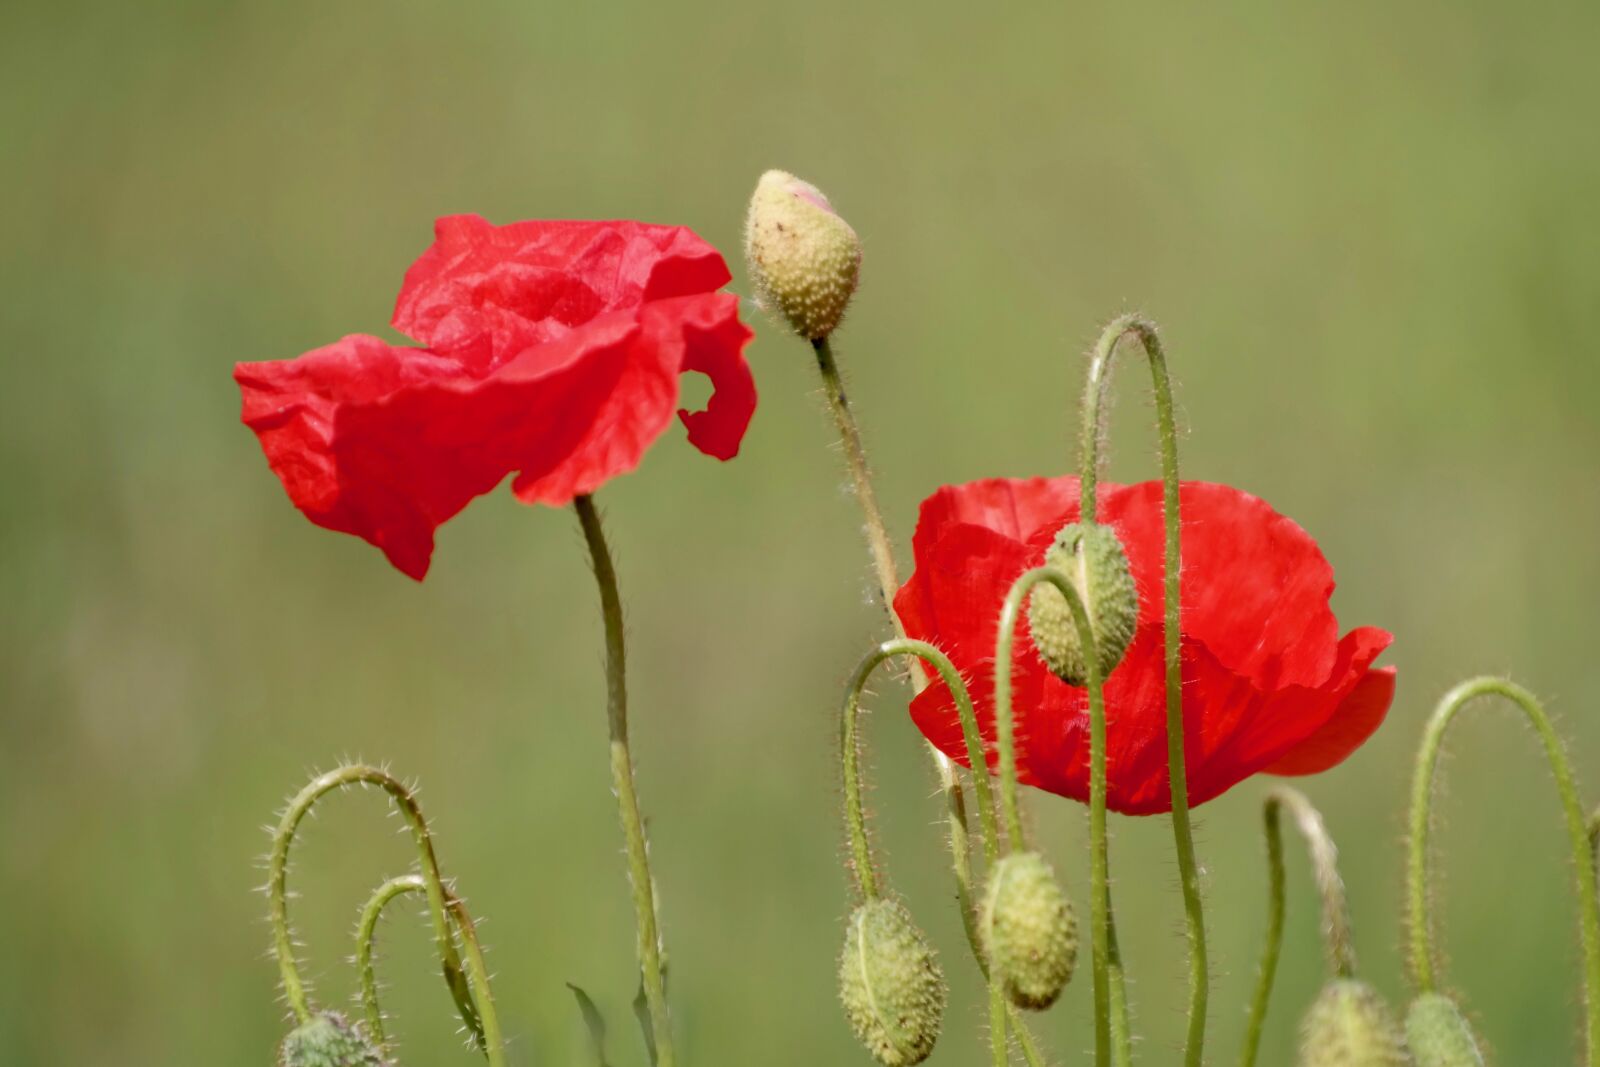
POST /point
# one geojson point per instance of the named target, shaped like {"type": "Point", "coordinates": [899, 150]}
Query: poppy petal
{"type": "Point", "coordinates": [641, 399]}
{"type": "Point", "coordinates": [388, 443]}
{"type": "Point", "coordinates": [1357, 718]}
{"type": "Point", "coordinates": [486, 292]}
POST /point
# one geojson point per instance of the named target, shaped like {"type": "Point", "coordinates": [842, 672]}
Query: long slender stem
{"type": "Point", "coordinates": [1111, 1022]}
{"type": "Point", "coordinates": [278, 879]}
{"type": "Point", "coordinates": [1424, 969]}
{"type": "Point", "coordinates": [881, 548]}
{"type": "Point", "coordinates": [478, 971]}
{"type": "Point", "coordinates": [644, 905]}
{"type": "Point", "coordinates": [1182, 832]}
{"type": "Point", "coordinates": [1267, 973]}
{"type": "Point", "coordinates": [1337, 942]}
{"type": "Point", "coordinates": [855, 456]}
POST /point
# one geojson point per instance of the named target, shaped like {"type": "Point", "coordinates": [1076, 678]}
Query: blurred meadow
{"type": "Point", "coordinates": [1370, 234]}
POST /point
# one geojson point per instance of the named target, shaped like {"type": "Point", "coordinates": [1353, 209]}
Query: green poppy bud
{"type": "Point", "coordinates": [804, 259]}
{"type": "Point", "coordinates": [1091, 557]}
{"type": "Point", "coordinates": [328, 1041]}
{"type": "Point", "coordinates": [1351, 1026]}
{"type": "Point", "coordinates": [1029, 931]}
{"type": "Point", "coordinates": [891, 985]}
{"type": "Point", "coordinates": [1438, 1035]}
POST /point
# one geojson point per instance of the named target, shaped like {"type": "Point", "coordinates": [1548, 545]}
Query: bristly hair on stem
{"type": "Point", "coordinates": [1335, 912]}
{"type": "Point", "coordinates": [1422, 955]}
{"type": "Point", "coordinates": [366, 951]}
{"type": "Point", "coordinates": [433, 885]}
{"type": "Point", "coordinates": [1093, 431]}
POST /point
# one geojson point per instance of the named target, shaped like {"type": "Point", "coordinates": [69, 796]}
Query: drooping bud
{"type": "Point", "coordinates": [1438, 1034]}
{"type": "Point", "coordinates": [329, 1041]}
{"type": "Point", "coordinates": [891, 985]}
{"type": "Point", "coordinates": [804, 259]}
{"type": "Point", "coordinates": [1351, 1026]}
{"type": "Point", "coordinates": [1029, 931]}
{"type": "Point", "coordinates": [1091, 557]}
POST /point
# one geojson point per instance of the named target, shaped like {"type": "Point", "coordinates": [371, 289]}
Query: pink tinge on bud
{"type": "Point", "coordinates": [807, 191]}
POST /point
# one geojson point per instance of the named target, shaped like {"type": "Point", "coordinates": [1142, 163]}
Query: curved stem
{"type": "Point", "coordinates": [644, 906]}
{"type": "Point", "coordinates": [278, 878]}
{"type": "Point", "coordinates": [1337, 941]}
{"type": "Point", "coordinates": [1110, 1020]}
{"type": "Point", "coordinates": [1092, 429]}
{"type": "Point", "coordinates": [883, 562]}
{"type": "Point", "coordinates": [855, 817]}
{"type": "Point", "coordinates": [1422, 955]}
{"type": "Point", "coordinates": [366, 944]}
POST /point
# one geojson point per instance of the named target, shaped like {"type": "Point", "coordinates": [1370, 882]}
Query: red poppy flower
{"type": "Point", "coordinates": [551, 349]}
{"type": "Point", "coordinates": [1268, 683]}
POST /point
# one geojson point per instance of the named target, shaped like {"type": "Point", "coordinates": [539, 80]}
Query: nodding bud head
{"type": "Point", "coordinates": [804, 259]}
{"type": "Point", "coordinates": [1029, 931]}
{"type": "Point", "coordinates": [1438, 1035]}
{"type": "Point", "coordinates": [328, 1041]}
{"type": "Point", "coordinates": [1091, 557]}
{"type": "Point", "coordinates": [1351, 1026]}
{"type": "Point", "coordinates": [890, 983]}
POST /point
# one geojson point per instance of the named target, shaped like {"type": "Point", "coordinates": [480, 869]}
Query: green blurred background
{"type": "Point", "coordinates": [1370, 233]}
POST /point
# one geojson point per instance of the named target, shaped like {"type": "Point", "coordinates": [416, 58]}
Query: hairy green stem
{"type": "Point", "coordinates": [855, 816]}
{"type": "Point", "coordinates": [849, 743]}
{"type": "Point", "coordinates": [1093, 428]}
{"type": "Point", "coordinates": [1337, 942]}
{"type": "Point", "coordinates": [881, 548]}
{"type": "Point", "coordinates": [1111, 1024]}
{"type": "Point", "coordinates": [366, 947]}
{"type": "Point", "coordinates": [1422, 956]}
{"type": "Point", "coordinates": [278, 893]}
{"type": "Point", "coordinates": [478, 968]}
{"type": "Point", "coordinates": [478, 971]}
{"type": "Point", "coordinates": [622, 781]}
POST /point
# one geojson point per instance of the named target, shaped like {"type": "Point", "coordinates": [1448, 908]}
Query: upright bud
{"type": "Point", "coordinates": [804, 259]}
{"type": "Point", "coordinates": [890, 983]}
{"type": "Point", "coordinates": [1438, 1035]}
{"type": "Point", "coordinates": [1091, 557]}
{"type": "Point", "coordinates": [328, 1041]}
{"type": "Point", "coordinates": [1351, 1026]}
{"type": "Point", "coordinates": [1029, 931]}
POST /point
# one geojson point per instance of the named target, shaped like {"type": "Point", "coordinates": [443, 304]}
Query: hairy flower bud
{"type": "Point", "coordinates": [804, 259]}
{"type": "Point", "coordinates": [891, 985]}
{"type": "Point", "coordinates": [1029, 931]}
{"type": "Point", "coordinates": [1091, 557]}
{"type": "Point", "coordinates": [1351, 1026]}
{"type": "Point", "coordinates": [328, 1041]}
{"type": "Point", "coordinates": [1438, 1035]}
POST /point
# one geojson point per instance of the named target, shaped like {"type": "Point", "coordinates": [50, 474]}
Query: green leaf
{"type": "Point", "coordinates": [641, 1011]}
{"type": "Point", "coordinates": [595, 1022]}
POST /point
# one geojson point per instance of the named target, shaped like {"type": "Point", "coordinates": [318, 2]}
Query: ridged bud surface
{"type": "Point", "coordinates": [1438, 1034]}
{"type": "Point", "coordinates": [1030, 934]}
{"type": "Point", "coordinates": [1351, 1026]}
{"type": "Point", "coordinates": [1092, 558]}
{"type": "Point", "coordinates": [329, 1041]}
{"type": "Point", "coordinates": [891, 985]}
{"type": "Point", "coordinates": [804, 259]}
